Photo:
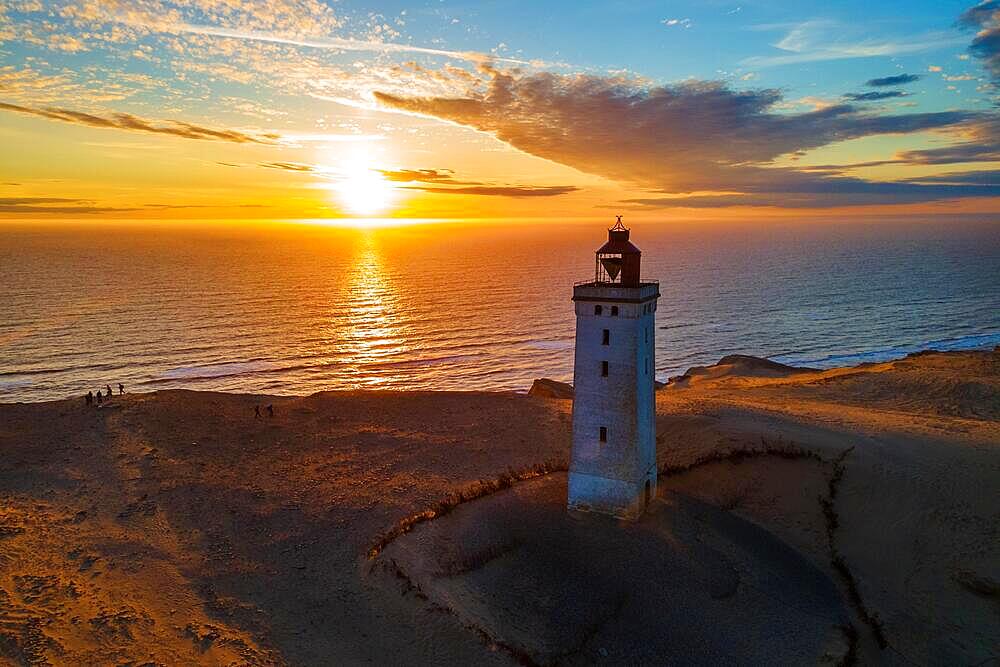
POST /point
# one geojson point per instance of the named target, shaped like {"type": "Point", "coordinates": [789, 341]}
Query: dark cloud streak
{"type": "Point", "coordinates": [443, 182]}
{"type": "Point", "coordinates": [898, 80]}
{"type": "Point", "coordinates": [69, 205]}
{"type": "Point", "coordinates": [845, 191]}
{"type": "Point", "coordinates": [124, 121]}
{"type": "Point", "coordinates": [50, 205]}
{"type": "Point", "coordinates": [502, 190]}
{"type": "Point", "coordinates": [875, 95]}
{"type": "Point", "coordinates": [423, 176]}
{"type": "Point", "coordinates": [285, 166]}
{"type": "Point", "coordinates": [985, 17]}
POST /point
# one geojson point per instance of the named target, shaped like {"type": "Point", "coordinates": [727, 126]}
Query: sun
{"type": "Point", "coordinates": [364, 190]}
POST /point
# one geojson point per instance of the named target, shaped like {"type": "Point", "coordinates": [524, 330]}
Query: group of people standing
{"type": "Point", "coordinates": [100, 398]}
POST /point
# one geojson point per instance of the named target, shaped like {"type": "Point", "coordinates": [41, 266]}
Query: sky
{"type": "Point", "coordinates": [314, 109]}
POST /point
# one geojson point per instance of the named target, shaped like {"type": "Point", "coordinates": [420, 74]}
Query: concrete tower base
{"type": "Point", "coordinates": [615, 497]}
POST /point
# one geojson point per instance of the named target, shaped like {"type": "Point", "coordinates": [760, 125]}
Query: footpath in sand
{"type": "Point", "coordinates": [174, 528]}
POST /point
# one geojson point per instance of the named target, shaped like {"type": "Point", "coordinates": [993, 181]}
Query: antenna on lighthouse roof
{"type": "Point", "coordinates": [619, 227]}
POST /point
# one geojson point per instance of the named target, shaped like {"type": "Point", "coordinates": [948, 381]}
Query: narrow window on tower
{"type": "Point", "coordinates": [606, 339]}
{"type": "Point", "coordinates": [604, 369]}
{"type": "Point", "coordinates": [614, 311]}
{"type": "Point", "coordinates": [603, 434]}
{"type": "Point", "coordinates": [597, 310]}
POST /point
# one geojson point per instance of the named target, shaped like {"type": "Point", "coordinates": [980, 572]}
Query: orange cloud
{"type": "Point", "coordinates": [691, 137]}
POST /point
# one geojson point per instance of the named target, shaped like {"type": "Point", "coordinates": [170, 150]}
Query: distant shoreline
{"type": "Point", "coordinates": [814, 366]}
{"type": "Point", "coordinates": [958, 344]}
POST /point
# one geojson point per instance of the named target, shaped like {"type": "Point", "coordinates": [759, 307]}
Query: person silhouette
{"type": "Point", "coordinates": [90, 398]}
{"type": "Point", "coordinates": [121, 389]}
{"type": "Point", "coordinates": [109, 394]}
{"type": "Point", "coordinates": [99, 397]}
{"type": "Point", "coordinates": [256, 412]}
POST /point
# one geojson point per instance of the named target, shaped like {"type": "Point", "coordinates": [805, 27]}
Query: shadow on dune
{"type": "Point", "coordinates": [686, 580]}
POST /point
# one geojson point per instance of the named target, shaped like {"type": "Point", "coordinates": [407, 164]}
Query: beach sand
{"type": "Point", "coordinates": [175, 528]}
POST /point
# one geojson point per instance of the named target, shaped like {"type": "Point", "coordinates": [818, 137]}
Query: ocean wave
{"type": "Point", "coordinates": [432, 361]}
{"type": "Point", "coordinates": [11, 385]}
{"type": "Point", "coordinates": [978, 341]}
{"type": "Point", "coordinates": [241, 368]}
{"type": "Point", "coordinates": [549, 344]}
{"type": "Point", "coordinates": [420, 328]}
{"type": "Point", "coordinates": [229, 369]}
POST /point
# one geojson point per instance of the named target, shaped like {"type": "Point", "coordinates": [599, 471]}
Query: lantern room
{"type": "Point", "coordinates": [618, 260]}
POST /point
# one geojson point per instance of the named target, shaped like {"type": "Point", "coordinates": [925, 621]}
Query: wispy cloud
{"type": "Point", "coordinates": [808, 42]}
{"type": "Point", "coordinates": [336, 43]}
{"type": "Point", "coordinates": [328, 137]}
{"type": "Point", "coordinates": [124, 121]}
{"type": "Point", "coordinates": [683, 23]}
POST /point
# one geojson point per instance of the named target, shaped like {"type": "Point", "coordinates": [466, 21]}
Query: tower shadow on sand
{"type": "Point", "coordinates": [686, 579]}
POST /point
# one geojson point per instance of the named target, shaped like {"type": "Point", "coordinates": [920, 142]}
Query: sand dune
{"type": "Point", "coordinates": [175, 528]}
{"type": "Point", "coordinates": [737, 366]}
{"type": "Point", "coordinates": [917, 503]}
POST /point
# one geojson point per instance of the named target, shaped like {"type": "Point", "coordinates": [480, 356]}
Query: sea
{"type": "Point", "coordinates": [300, 307]}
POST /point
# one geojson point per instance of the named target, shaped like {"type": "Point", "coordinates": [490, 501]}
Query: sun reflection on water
{"type": "Point", "coordinates": [374, 331]}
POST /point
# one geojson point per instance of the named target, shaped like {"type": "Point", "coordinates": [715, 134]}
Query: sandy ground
{"type": "Point", "coordinates": [174, 528]}
{"type": "Point", "coordinates": [918, 507]}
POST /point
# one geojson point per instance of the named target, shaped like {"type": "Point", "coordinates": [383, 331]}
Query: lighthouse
{"type": "Point", "coordinates": [613, 462]}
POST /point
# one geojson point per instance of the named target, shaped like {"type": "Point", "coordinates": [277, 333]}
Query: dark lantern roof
{"type": "Point", "coordinates": [618, 243]}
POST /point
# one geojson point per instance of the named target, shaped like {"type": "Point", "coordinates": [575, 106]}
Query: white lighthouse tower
{"type": "Point", "coordinates": [613, 463]}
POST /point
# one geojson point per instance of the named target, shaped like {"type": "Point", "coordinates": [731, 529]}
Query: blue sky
{"type": "Point", "coordinates": [709, 40]}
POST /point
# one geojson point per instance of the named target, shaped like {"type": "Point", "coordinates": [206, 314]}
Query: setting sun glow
{"type": "Point", "coordinates": [364, 190]}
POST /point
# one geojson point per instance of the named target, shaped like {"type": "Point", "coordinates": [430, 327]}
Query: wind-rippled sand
{"type": "Point", "coordinates": [175, 528]}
